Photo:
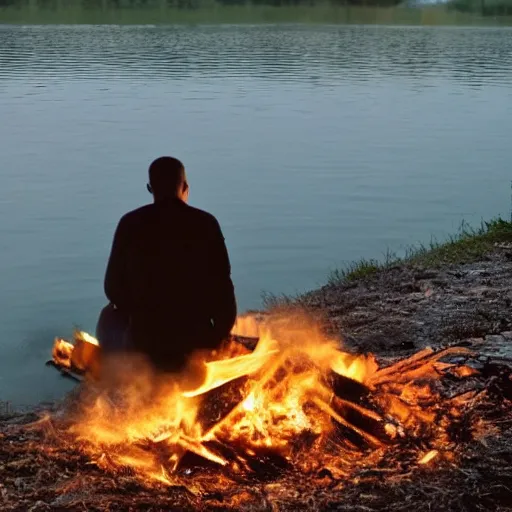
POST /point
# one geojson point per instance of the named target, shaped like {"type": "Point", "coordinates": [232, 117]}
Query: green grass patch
{"type": "Point", "coordinates": [355, 271]}
{"type": "Point", "coordinates": [467, 246]}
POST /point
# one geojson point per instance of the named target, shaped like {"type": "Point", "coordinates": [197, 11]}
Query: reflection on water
{"type": "Point", "coordinates": [313, 146]}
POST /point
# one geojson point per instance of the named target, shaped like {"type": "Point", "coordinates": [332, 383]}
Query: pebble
{"type": "Point", "coordinates": [19, 483]}
{"type": "Point", "coordinates": [39, 506]}
{"type": "Point", "coordinates": [495, 338]}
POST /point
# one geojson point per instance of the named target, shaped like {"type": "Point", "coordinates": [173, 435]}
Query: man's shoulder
{"type": "Point", "coordinates": [203, 221]}
{"type": "Point", "coordinates": [137, 213]}
{"type": "Point", "coordinates": [196, 215]}
{"type": "Point", "coordinates": [201, 215]}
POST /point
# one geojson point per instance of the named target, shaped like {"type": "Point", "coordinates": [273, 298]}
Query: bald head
{"type": "Point", "coordinates": [167, 178]}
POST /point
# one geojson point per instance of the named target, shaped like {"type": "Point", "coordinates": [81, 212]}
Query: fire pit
{"type": "Point", "coordinates": [270, 427]}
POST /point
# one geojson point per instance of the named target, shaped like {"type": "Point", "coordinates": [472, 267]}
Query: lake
{"type": "Point", "coordinates": [313, 146]}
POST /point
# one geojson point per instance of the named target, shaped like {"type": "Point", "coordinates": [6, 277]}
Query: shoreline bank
{"type": "Point", "coordinates": [436, 296]}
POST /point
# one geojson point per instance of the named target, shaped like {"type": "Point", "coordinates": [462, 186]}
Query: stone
{"type": "Point", "coordinates": [479, 290]}
{"type": "Point", "coordinates": [495, 339]}
{"type": "Point", "coordinates": [39, 506]}
{"type": "Point", "coordinates": [19, 483]}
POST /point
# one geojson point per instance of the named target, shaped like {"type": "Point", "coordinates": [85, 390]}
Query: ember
{"type": "Point", "coordinates": [296, 400]}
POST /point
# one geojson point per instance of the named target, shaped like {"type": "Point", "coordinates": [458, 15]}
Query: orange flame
{"type": "Point", "coordinates": [259, 400]}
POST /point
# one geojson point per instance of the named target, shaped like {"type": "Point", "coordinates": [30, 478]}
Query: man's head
{"type": "Point", "coordinates": [167, 179]}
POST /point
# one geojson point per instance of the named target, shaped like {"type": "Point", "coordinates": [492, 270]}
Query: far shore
{"type": "Point", "coordinates": [247, 14]}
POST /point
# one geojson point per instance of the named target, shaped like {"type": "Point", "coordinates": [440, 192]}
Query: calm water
{"type": "Point", "coordinates": [314, 146]}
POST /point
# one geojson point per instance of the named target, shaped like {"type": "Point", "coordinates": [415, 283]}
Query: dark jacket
{"type": "Point", "coordinates": [169, 271]}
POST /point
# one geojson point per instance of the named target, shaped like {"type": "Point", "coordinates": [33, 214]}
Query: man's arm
{"type": "Point", "coordinates": [223, 293]}
{"type": "Point", "coordinates": [115, 276]}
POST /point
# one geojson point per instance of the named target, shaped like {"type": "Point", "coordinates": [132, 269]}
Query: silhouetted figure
{"type": "Point", "coordinates": [169, 275]}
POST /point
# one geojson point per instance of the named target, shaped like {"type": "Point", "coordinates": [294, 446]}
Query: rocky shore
{"type": "Point", "coordinates": [407, 307]}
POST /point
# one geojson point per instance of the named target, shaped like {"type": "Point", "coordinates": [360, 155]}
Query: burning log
{"type": "Point", "coordinates": [348, 430]}
{"type": "Point", "coordinates": [348, 389]}
{"type": "Point", "coordinates": [78, 359]}
{"type": "Point", "coordinates": [355, 416]}
{"type": "Point", "coordinates": [420, 364]}
{"type": "Point", "coordinates": [248, 342]}
{"type": "Point", "coordinates": [366, 426]}
{"type": "Point", "coordinates": [219, 402]}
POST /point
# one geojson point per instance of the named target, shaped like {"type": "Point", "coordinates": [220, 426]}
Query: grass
{"type": "Point", "coordinates": [71, 13]}
{"type": "Point", "coordinates": [467, 246]}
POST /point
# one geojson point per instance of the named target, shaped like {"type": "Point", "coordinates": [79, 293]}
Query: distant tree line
{"type": "Point", "coordinates": [192, 4]}
{"type": "Point", "coordinates": [482, 7]}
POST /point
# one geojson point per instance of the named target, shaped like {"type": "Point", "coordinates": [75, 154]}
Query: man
{"type": "Point", "coordinates": [169, 274]}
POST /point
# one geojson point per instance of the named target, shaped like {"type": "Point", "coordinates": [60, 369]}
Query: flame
{"type": "Point", "coordinates": [233, 404]}
{"type": "Point", "coordinates": [223, 371]}
{"type": "Point", "coordinates": [81, 355]}
{"type": "Point", "coordinates": [88, 338]}
{"type": "Point", "coordinates": [62, 351]}
{"type": "Point", "coordinates": [247, 325]}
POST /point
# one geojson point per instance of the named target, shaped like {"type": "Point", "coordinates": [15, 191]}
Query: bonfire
{"type": "Point", "coordinates": [295, 399]}
{"type": "Point", "coordinates": [279, 402]}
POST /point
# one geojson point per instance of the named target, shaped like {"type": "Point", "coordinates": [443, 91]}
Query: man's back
{"type": "Point", "coordinates": [169, 271]}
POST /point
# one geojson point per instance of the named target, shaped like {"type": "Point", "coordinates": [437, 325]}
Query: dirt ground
{"type": "Point", "coordinates": [406, 308]}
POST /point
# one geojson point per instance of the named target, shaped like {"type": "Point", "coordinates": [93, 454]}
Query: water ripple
{"type": "Point", "coordinates": [313, 145]}
{"type": "Point", "coordinates": [472, 56]}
